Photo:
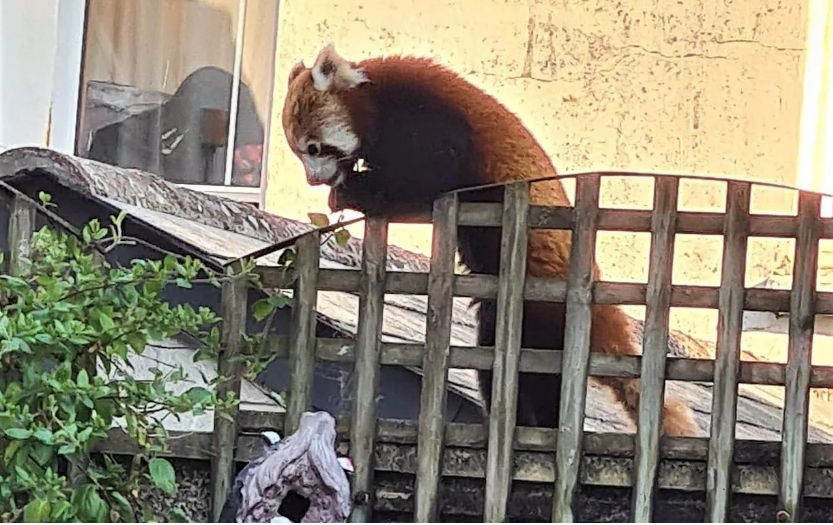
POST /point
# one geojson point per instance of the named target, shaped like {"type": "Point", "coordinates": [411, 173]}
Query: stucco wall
{"type": "Point", "coordinates": [710, 87]}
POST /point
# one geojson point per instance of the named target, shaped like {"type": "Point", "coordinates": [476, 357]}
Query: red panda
{"type": "Point", "coordinates": [423, 130]}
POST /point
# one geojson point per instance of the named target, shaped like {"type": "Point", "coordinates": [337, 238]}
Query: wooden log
{"type": "Point", "coordinates": [797, 390]}
{"type": "Point", "coordinates": [302, 330]}
{"type": "Point", "coordinates": [502, 414]}
{"type": "Point", "coordinates": [576, 358]}
{"type": "Point", "coordinates": [305, 463]}
{"type": "Point", "coordinates": [435, 359]}
{"type": "Point", "coordinates": [230, 371]}
{"type": "Point", "coordinates": [368, 348]}
{"type": "Point", "coordinates": [729, 328]}
{"type": "Point", "coordinates": [654, 347]}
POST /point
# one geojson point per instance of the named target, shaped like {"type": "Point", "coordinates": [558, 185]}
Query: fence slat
{"type": "Point", "coordinates": [654, 347]}
{"type": "Point", "coordinates": [302, 330]}
{"type": "Point", "coordinates": [21, 229]}
{"type": "Point", "coordinates": [339, 350]}
{"type": "Point", "coordinates": [435, 359]}
{"type": "Point", "coordinates": [797, 384]}
{"type": "Point", "coordinates": [555, 290]}
{"type": "Point", "coordinates": [727, 361]}
{"type": "Point", "coordinates": [234, 314]}
{"type": "Point", "coordinates": [502, 414]}
{"type": "Point", "coordinates": [368, 349]}
{"type": "Point", "coordinates": [576, 349]}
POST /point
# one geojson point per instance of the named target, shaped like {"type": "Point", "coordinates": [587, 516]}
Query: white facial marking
{"type": "Point", "coordinates": [339, 135]}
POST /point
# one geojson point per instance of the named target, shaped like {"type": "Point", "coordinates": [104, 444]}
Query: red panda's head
{"type": "Point", "coordinates": [322, 116]}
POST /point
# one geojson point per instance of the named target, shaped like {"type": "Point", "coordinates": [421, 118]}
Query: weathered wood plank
{"type": "Point", "coordinates": [435, 359]}
{"type": "Point", "coordinates": [368, 348]}
{"type": "Point", "coordinates": [551, 289]}
{"type": "Point", "coordinates": [302, 330]}
{"type": "Point", "coordinates": [234, 310]}
{"type": "Point", "coordinates": [698, 223]}
{"type": "Point", "coordinates": [654, 345]}
{"type": "Point", "coordinates": [502, 413]}
{"type": "Point", "coordinates": [22, 214]}
{"type": "Point", "coordinates": [797, 389]}
{"type": "Point", "coordinates": [549, 362]}
{"type": "Point", "coordinates": [577, 349]}
{"type": "Point", "coordinates": [729, 328]}
{"type": "Point", "coordinates": [197, 445]}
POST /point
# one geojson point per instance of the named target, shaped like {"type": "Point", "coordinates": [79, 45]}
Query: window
{"type": "Point", "coordinates": [168, 85]}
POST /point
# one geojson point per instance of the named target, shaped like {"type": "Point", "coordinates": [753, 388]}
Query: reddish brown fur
{"type": "Point", "coordinates": [507, 151]}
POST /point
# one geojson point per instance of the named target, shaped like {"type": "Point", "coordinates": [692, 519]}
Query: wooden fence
{"type": "Point", "coordinates": [561, 453]}
{"type": "Point", "coordinates": [515, 216]}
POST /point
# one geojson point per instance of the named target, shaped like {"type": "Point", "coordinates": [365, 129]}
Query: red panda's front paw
{"type": "Point", "coordinates": [336, 201]}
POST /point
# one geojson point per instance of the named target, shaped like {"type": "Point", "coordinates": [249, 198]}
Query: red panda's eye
{"type": "Point", "coordinates": [313, 149]}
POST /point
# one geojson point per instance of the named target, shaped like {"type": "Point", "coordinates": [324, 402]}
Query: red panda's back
{"type": "Point", "coordinates": [505, 148]}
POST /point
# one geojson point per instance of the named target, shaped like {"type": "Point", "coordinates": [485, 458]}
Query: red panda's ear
{"type": "Point", "coordinates": [295, 71]}
{"type": "Point", "coordinates": [331, 72]}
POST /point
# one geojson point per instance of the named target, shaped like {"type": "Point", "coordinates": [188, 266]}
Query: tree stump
{"type": "Point", "coordinates": [298, 479]}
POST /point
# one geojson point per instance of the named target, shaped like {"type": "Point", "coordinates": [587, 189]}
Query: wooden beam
{"type": "Point", "coordinates": [654, 347]}
{"type": "Point", "coordinates": [302, 330]}
{"type": "Point", "coordinates": [368, 348]}
{"type": "Point", "coordinates": [555, 290]}
{"type": "Point", "coordinates": [797, 389]}
{"type": "Point", "coordinates": [576, 359]}
{"type": "Point", "coordinates": [234, 313]}
{"type": "Point", "coordinates": [435, 360]}
{"type": "Point", "coordinates": [727, 362]}
{"type": "Point", "coordinates": [502, 413]}
{"type": "Point", "coordinates": [22, 216]}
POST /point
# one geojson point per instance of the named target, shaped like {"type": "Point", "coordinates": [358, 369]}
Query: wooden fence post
{"type": "Point", "coordinates": [502, 414]}
{"type": "Point", "coordinates": [797, 381]}
{"type": "Point", "coordinates": [368, 348]}
{"type": "Point", "coordinates": [435, 359]}
{"type": "Point", "coordinates": [574, 368]}
{"type": "Point", "coordinates": [655, 347]}
{"type": "Point", "coordinates": [727, 360]}
{"type": "Point", "coordinates": [302, 330]}
{"type": "Point", "coordinates": [21, 229]}
{"type": "Point", "coordinates": [224, 437]}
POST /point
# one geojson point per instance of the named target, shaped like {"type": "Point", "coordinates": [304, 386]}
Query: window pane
{"type": "Point", "coordinates": [158, 89]}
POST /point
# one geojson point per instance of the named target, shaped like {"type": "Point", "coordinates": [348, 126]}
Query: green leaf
{"type": "Point", "coordinates": [183, 283]}
{"type": "Point", "coordinates": [18, 433]}
{"type": "Point", "coordinates": [37, 511]}
{"type": "Point", "coordinates": [106, 322]}
{"type": "Point", "coordinates": [124, 507]}
{"type": "Point", "coordinates": [162, 474]}
{"type": "Point", "coordinates": [262, 308]}
{"type": "Point", "coordinates": [60, 511]}
{"type": "Point", "coordinates": [89, 504]}
{"type": "Point", "coordinates": [44, 435]}
{"type": "Point", "coordinates": [319, 220]}
{"type": "Point", "coordinates": [342, 237]}
{"type": "Point", "coordinates": [177, 515]}
{"type": "Point", "coordinates": [83, 379]}
{"type": "Point", "coordinates": [197, 395]}
{"type": "Point", "coordinates": [137, 341]}
{"type": "Point", "coordinates": [67, 450]}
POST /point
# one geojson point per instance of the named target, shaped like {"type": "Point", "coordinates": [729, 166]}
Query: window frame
{"type": "Point", "coordinates": [67, 97]}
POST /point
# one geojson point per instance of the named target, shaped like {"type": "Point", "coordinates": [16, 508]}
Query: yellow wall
{"type": "Point", "coordinates": [710, 87]}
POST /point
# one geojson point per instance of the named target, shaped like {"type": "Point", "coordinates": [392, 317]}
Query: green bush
{"type": "Point", "coordinates": [66, 326]}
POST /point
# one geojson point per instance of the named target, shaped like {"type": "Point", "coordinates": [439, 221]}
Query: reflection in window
{"type": "Point", "coordinates": [160, 93]}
